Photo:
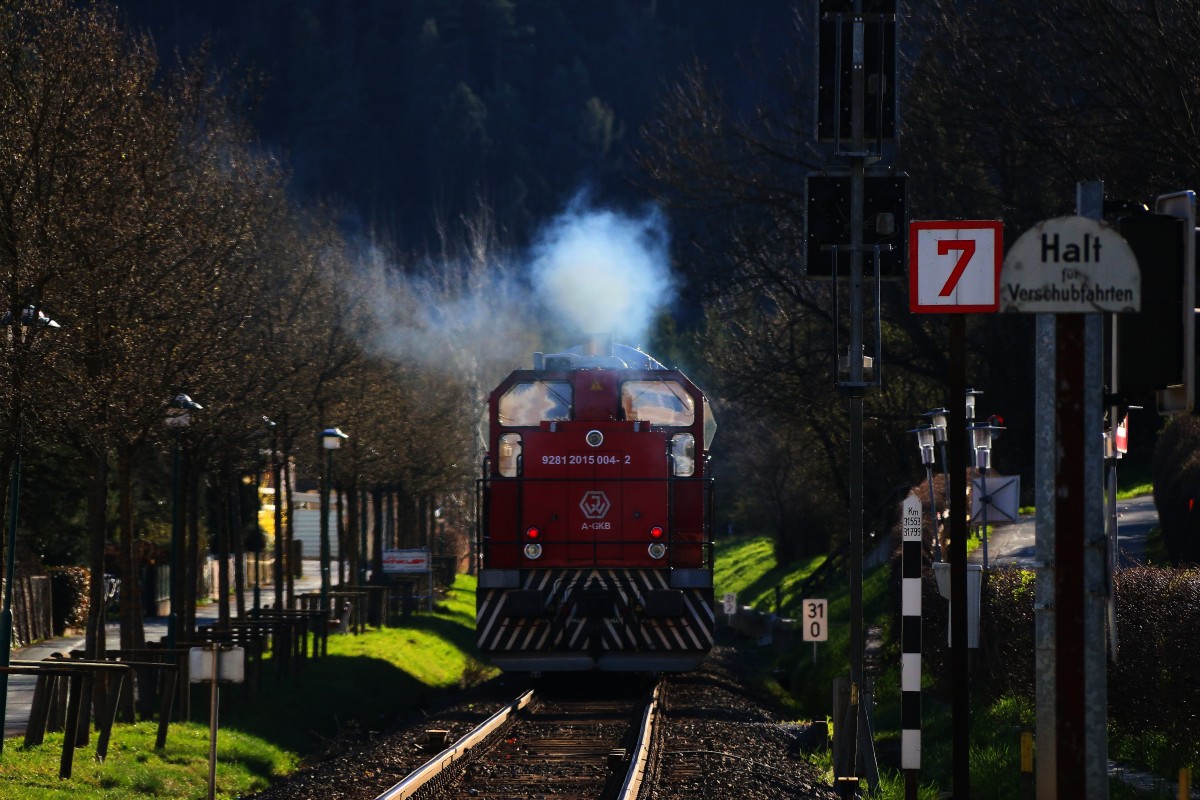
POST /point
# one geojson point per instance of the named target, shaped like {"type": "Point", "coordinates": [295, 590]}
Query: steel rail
{"type": "Point", "coordinates": [632, 784]}
{"type": "Point", "coordinates": [436, 765]}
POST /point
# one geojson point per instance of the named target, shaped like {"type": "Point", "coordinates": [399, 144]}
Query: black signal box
{"type": "Point", "coordinates": [835, 67]}
{"type": "Point", "coordinates": [827, 226]}
{"type": "Point", "coordinates": [1149, 344]}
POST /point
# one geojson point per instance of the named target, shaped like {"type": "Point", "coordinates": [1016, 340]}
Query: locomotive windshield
{"type": "Point", "coordinates": [527, 404]}
{"type": "Point", "coordinates": [657, 402]}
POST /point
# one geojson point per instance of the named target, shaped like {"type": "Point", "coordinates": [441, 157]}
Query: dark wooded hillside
{"type": "Point", "coordinates": [412, 114]}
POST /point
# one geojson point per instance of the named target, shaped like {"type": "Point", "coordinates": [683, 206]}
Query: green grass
{"type": "Point", "coordinates": [135, 769]}
{"type": "Point", "coordinates": [365, 682]}
{"type": "Point", "coordinates": [1135, 490]}
{"type": "Point", "coordinates": [748, 567]}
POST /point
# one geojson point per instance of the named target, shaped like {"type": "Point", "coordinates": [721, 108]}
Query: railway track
{"type": "Point", "coordinates": [553, 743]}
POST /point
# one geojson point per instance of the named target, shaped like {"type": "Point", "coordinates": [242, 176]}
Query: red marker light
{"type": "Point", "coordinates": [656, 532]}
{"type": "Point", "coordinates": [533, 533]}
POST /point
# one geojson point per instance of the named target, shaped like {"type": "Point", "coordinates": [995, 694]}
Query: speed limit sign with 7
{"type": "Point", "coordinates": [815, 619]}
{"type": "Point", "coordinates": [954, 266]}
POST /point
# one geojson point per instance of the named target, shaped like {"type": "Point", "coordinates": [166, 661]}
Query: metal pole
{"type": "Point", "coordinates": [937, 544]}
{"type": "Point", "coordinates": [257, 581]}
{"type": "Point", "coordinates": [1044, 546]}
{"type": "Point", "coordinates": [212, 726]}
{"type": "Point", "coordinates": [325, 555]}
{"type": "Point", "coordinates": [1090, 202]}
{"type": "Point", "coordinates": [983, 504]}
{"type": "Point", "coordinates": [945, 487]}
{"type": "Point", "coordinates": [362, 539]}
{"type": "Point", "coordinates": [10, 566]}
{"type": "Point", "coordinates": [957, 465]}
{"type": "Point", "coordinates": [280, 496]}
{"type": "Point", "coordinates": [1079, 547]}
{"type": "Point", "coordinates": [855, 363]}
{"type": "Point", "coordinates": [1068, 556]}
{"type": "Point", "coordinates": [176, 526]}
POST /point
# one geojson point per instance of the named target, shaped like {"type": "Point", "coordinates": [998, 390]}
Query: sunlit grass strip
{"type": "Point", "coordinates": [135, 769]}
{"type": "Point", "coordinates": [747, 567]}
{"type": "Point", "coordinates": [366, 683]}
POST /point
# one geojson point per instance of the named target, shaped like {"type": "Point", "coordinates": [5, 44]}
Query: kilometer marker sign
{"type": "Point", "coordinates": [954, 266]}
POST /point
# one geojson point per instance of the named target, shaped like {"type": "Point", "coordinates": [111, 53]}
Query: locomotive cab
{"type": "Point", "coordinates": [594, 538]}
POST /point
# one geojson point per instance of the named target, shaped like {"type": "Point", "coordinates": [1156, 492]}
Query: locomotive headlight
{"type": "Point", "coordinates": [657, 550]}
{"type": "Point", "coordinates": [683, 455]}
{"type": "Point", "coordinates": [533, 550]}
{"type": "Point", "coordinates": [594, 438]}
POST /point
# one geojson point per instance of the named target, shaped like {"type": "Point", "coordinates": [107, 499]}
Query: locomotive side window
{"type": "Point", "coordinates": [683, 454]}
{"type": "Point", "coordinates": [527, 404]}
{"type": "Point", "coordinates": [510, 454]}
{"type": "Point", "coordinates": [657, 402]}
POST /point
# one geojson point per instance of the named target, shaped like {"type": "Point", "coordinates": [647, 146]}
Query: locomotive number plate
{"type": "Point", "coordinates": [586, 459]}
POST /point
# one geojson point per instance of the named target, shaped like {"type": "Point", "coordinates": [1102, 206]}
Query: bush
{"type": "Point", "coordinates": [1151, 685]}
{"type": "Point", "coordinates": [69, 597]}
{"type": "Point", "coordinates": [1177, 488]}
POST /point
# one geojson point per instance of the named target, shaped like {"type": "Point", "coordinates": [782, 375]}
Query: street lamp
{"type": "Point", "coordinates": [331, 439]}
{"type": "Point", "coordinates": [938, 420]}
{"type": "Point", "coordinates": [971, 395]}
{"type": "Point", "coordinates": [179, 416]}
{"type": "Point", "coordinates": [31, 317]}
{"type": "Point", "coordinates": [982, 434]}
{"type": "Point", "coordinates": [926, 436]}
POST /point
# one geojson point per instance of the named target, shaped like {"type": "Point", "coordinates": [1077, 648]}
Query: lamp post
{"type": "Point", "coordinates": [277, 571]}
{"type": "Point", "coordinates": [971, 395]}
{"type": "Point", "coordinates": [331, 439]}
{"type": "Point", "coordinates": [31, 317]}
{"type": "Point", "coordinates": [179, 416]}
{"type": "Point", "coordinates": [925, 438]}
{"type": "Point", "coordinates": [982, 434]}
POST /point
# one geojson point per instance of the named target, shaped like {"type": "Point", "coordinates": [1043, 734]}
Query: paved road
{"type": "Point", "coordinates": [20, 687]}
{"type": "Point", "coordinates": [1013, 545]}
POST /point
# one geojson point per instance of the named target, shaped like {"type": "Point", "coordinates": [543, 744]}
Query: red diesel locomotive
{"type": "Point", "coordinates": [594, 537]}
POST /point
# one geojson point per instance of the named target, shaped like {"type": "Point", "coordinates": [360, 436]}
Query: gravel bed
{"type": "Point", "coordinates": [355, 766]}
{"type": "Point", "coordinates": [720, 739]}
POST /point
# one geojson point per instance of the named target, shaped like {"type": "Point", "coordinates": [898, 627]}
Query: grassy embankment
{"type": "Point", "coordinates": [365, 681]}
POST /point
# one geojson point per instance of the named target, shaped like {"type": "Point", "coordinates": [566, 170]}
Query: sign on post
{"type": "Point", "coordinates": [411, 560]}
{"type": "Point", "coordinates": [729, 603]}
{"type": "Point", "coordinates": [954, 266]}
{"type": "Point", "coordinates": [995, 499]}
{"type": "Point", "coordinates": [215, 664]}
{"type": "Point", "coordinates": [912, 524]}
{"type": "Point", "coordinates": [1070, 265]}
{"type": "Point", "coordinates": [815, 619]}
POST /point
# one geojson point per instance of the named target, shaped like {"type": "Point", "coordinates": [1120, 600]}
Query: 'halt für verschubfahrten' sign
{"type": "Point", "coordinates": [1070, 265]}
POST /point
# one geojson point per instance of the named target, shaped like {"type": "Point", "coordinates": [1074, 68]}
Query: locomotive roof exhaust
{"type": "Point", "coordinates": [598, 345]}
{"type": "Point", "coordinates": [597, 350]}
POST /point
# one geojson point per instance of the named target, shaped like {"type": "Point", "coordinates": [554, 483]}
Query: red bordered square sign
{"type": "Point", "coordinates": [954, 266]}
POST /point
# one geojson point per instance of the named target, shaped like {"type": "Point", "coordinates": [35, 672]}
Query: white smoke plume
{"type": "Point", "coordinates": [589, 271]}
{"type": "Point", "coordinates": [600, 271]}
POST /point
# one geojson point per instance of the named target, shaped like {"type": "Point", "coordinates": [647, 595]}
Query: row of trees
{"type": "Point", "coordinates": [138, 211]}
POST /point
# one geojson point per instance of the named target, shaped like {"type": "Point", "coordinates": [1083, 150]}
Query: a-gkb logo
{"type": "Point", "coordinates": [594, 504]}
